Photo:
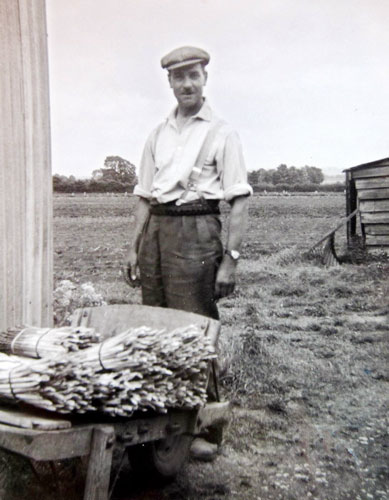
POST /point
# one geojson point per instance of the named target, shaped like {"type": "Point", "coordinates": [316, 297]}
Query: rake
{"type": "Point", "coordinates": [324, 249]}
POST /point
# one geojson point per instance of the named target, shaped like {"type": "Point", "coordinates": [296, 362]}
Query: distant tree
{"type": "Point", "coordinates": [97, 174]}
{"type": "Point", "coordinates": [116, 169]}
{"type": "Point", "coordinates": [59, 181]}
{"type": "Point", "coordinates": [252, 177]}
{"type": "Point", "coordinates": [95, 186]}
{"type": "Point", "coordinates": [80, 185]}
{"type": "Point", "coordinates": [286, 176]}
{"type": "Point", "coordinates": [63, 184]}
{"type": "Point", "coordinates": [117, 175]}
{"type": "Point", "coordinates": [281, 175]}
{"type": "Point", "coordinates": [315, 174]}
{"type": "Point", "coordinates": [303, 176]}
{"type": "Point", "coordinates": [295, 175]}
{"type": "Point", "coordinates": [265, 176]}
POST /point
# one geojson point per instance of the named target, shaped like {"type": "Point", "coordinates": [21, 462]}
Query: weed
{"type": "Point", "coordinates": [288, 290]}
{"type": "Point", "coordinates": [251, 310]}
{"type": "Point", "coordinates": [314, 326]}
{"type": "Point", "coordinates": [341, 291]}
{"type": "Point", "coordinates": [68, 297]}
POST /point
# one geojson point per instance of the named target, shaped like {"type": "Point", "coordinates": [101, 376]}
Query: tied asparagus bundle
{"type": "Point", "coordinates": [48, 384]}
{"type": "Point", "coordinates": [151, 369]}
{"type": "Point", "coordinates": [35, 342]}
{"type": "Point", "coordinates": [137, 370]}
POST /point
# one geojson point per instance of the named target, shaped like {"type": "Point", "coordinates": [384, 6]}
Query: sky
{"type": "Point", "coordinates": [304, 82]}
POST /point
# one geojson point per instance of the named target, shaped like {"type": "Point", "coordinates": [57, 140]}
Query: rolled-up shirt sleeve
{"type": "Point", "coordinates": [146, 169]}
{"type": "Point", "coordinates": [233, 169]}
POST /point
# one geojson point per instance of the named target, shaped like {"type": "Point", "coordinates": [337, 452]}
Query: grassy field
{"type": "Point", "coordinates": [303, 351]}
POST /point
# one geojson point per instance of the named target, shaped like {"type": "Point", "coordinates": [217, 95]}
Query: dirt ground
{"type": "Point", "coordinates": [304, 356]}
{"type": "Point", "coordinates": [303, 459]}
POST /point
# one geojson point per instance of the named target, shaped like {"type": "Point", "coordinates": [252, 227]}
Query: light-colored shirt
{"type": "Point", "coordinates": [170, 154]}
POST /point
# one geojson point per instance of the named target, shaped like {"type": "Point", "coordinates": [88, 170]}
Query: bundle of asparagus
{"type": "Point", "coordinates": [139, 369]}
{"type": "Point", "coordinates": [48, 384]}
{"type": "Point", "coordinates": [171, 372]}
{"type": "Point", "coordinates": [36, 342]}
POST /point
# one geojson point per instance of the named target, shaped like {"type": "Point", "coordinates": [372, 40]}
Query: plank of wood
{"type": "Point", "coordinates": [376, 229]}
{"type": "Point", "coordinates": [381, 240]}
{"type": "Point", "coordinates": [99, 467]}
{"type": "Point", "coordinates": [32, 420]}
{"type": "Point", "coordinates": [373, 194]}
{"type": "Point", "coordinates": [113, 319]}
{"type": "Point", "coordinates": [47, 445]}
{"type": "Point", "coordinates": [11, 153]}
{"type": "Point", "coordinates": [380, 182]}
{"type": "Point", "coordinates": [158, 427]}
{"type": "Point", "coordinates": [38, 270]}
{"type": "Point", "coordinates": [371, 172]}
{"type": "Point", "coordinates": [374, 206]}
{"type": "Point", "coordinates": [26, 253]}
{"type": "Point", "coordinates": [379, 248]}
{"type": "Point", "coordinates": [375, 218]}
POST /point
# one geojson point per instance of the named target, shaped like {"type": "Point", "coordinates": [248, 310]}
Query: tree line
{"type": "Point", "coordinates": [295, 179]}
{"type": "Point", "coordinates": [119, 176]}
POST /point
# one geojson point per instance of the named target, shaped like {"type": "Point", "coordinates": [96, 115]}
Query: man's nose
{"type": "Point", "coordinates": [187, 83]}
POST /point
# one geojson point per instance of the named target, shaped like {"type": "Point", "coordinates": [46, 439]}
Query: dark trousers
{"type": "Point", "coordinates": [178, 260]}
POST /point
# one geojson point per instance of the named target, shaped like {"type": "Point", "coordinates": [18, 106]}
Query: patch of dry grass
{"type": "Point", "coordinates": [294, 329]}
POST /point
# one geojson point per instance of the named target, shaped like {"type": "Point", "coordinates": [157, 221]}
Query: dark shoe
{"type": "Point", "coordinates": [203, 450]}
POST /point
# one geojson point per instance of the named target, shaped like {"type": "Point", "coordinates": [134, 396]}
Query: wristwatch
{"type": "Point", "coordinates": [234, 254]}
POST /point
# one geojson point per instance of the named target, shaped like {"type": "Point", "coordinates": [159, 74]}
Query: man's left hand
{"type": "Point", "coordinates": [225, 278]}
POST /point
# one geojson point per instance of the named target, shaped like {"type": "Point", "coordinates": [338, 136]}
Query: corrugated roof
{"type": "Point", "coordinates": [370, 164]}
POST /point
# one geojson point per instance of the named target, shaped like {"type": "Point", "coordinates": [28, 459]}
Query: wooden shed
{"type": "Point", "coordinates": [367, 188]}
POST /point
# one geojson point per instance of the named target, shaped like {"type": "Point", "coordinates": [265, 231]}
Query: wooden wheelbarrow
{"type": "Point", "coordinates": [157, 444]}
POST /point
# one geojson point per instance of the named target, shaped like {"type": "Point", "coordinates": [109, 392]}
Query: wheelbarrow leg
{"type": "Point", "coordinates": [99, 466]}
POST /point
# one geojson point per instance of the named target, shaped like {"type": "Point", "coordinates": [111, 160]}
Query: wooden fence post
{"type": "Point", "coordinates": [26, 252]}
{"type": "Point", "coordinates": [351, 205]}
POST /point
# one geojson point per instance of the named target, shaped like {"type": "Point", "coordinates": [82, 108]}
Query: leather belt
{"type": "Point", "coordinates": [198, 207]}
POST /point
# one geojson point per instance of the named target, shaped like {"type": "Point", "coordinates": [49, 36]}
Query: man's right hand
{"type": "Point", "coordinates": [130, 266]}
{"type": "Point", "coordinates": [131, 269]}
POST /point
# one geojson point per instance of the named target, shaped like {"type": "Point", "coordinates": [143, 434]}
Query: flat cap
{"type": "Point", "coordinates": [184, 56]}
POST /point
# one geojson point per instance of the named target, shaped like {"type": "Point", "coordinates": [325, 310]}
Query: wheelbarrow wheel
{"type": "Point", "coordinates": [160, 460]}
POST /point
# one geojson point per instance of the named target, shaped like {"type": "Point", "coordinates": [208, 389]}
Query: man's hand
{"type": "Point", "coordinates": [225, 278]}
{"type": "Point", "coordinates": [131, 270]}
{"type": "Point", "coordinates": [130, 267]}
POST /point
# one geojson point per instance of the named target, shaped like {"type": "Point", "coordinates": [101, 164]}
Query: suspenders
{"type": "Point", "coordinates": [194, 177]}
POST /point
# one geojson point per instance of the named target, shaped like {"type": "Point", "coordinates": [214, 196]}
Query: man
{"type": "Point", "coordinates": [190, 162]}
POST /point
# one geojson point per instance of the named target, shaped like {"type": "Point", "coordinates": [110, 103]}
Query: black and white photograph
{"type": "Point", "coordinates": [194, 250]}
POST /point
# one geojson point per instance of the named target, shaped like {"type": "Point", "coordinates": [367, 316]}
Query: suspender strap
{"type": "Point", "coordinates": [200, 161]}
{"type": "Point", "coordinates": [157, 132]}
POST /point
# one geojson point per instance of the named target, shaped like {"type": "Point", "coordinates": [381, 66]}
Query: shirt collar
{"type": "Point", "coordinates": [204, 113]}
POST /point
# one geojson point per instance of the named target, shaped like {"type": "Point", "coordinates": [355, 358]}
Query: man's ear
{"type": "Point", "coordinates": [168, 77]}
{"type": "Point", "coordinates": [205, 77]}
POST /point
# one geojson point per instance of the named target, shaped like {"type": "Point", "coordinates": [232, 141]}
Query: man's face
{"type": "Point", "coordinates": [187, 84]}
